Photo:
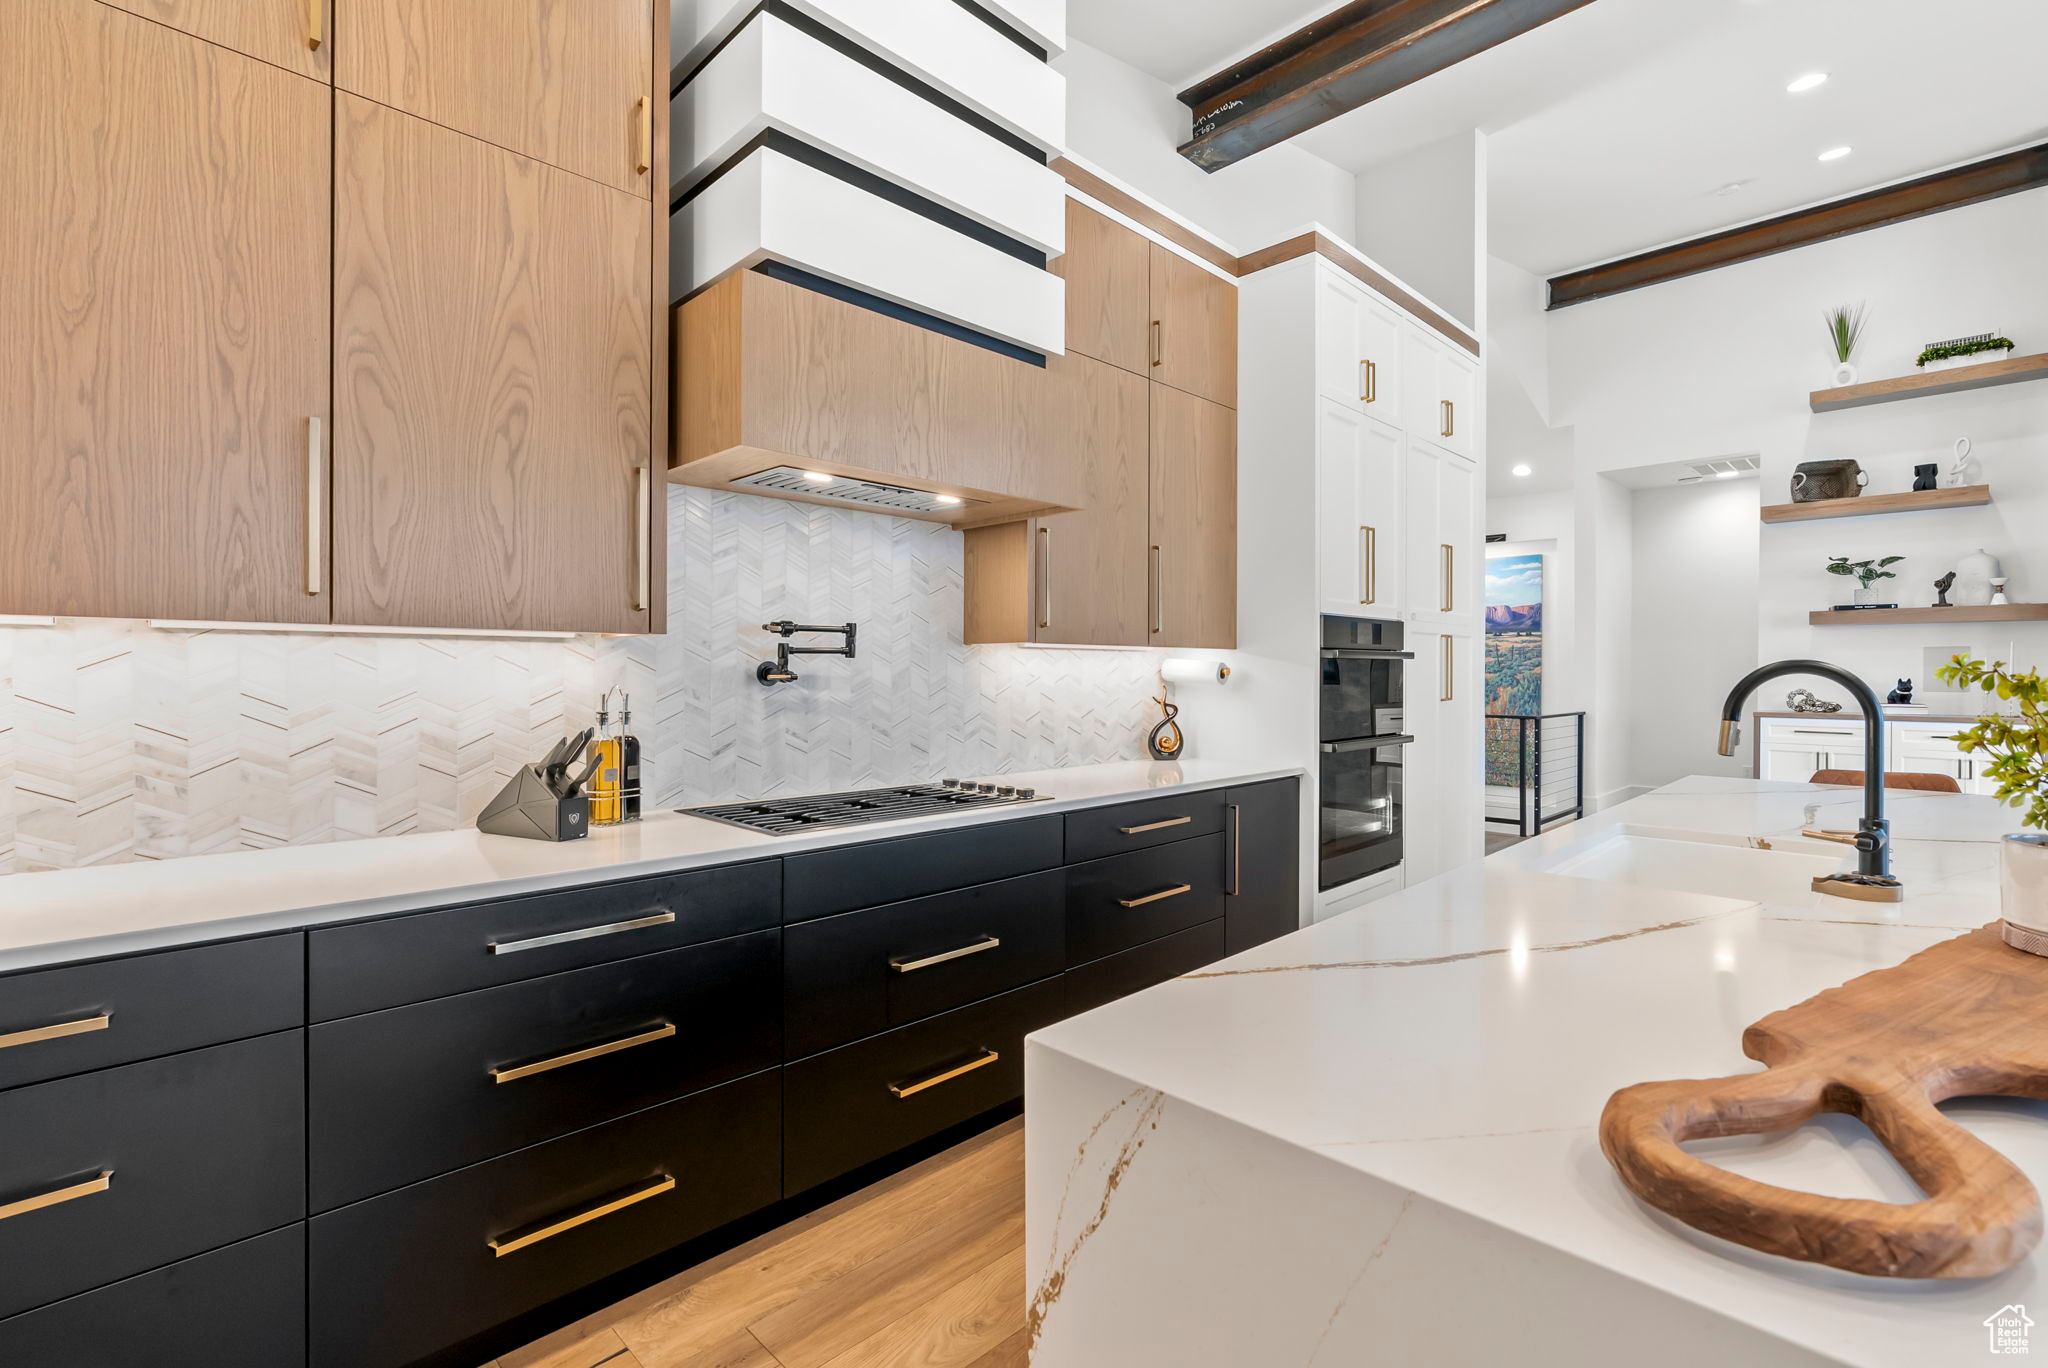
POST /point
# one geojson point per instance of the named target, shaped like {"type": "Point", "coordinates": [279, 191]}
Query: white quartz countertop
{"type": "Point", "coordinates": [1458, 1041]}
{"type": "Point", "coordinates": [60, 915]}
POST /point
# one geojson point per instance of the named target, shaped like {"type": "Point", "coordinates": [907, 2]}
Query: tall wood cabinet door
{"type": "Point", "coordinates": [567, 82]}
{"type": "Point", "coordinates": [1107, 268]}
{"type": "Point", "coordinates": [163, 370]}
{"type": "Point", "coordinates": [492, 387]}
{"type": "Point", "coordinates": [1089, 589]}
{"type": "Point", "coordinates": [293, 34]}
{"type": "Point", "coordinates": [1194, 328]}
{"type": "Point", "coordinates": [1194, 521]}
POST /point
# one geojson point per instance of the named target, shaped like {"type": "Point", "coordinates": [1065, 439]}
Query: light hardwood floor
{"type": "Point", "coordinates": [923, 1270]}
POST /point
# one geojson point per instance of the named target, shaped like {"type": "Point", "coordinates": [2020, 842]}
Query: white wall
{"type": "Point", "coordinates": [1423, 216]}
{"type": "Point", "coordinates": [1693, 624]}
{"type": "Point", "coordinates": [1128, 123]}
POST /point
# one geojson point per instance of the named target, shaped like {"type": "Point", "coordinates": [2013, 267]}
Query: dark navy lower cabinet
{"type": "Point", "coordinates": [239, 1307]}
{"type": "Point", "coordinates": [1264, 878]}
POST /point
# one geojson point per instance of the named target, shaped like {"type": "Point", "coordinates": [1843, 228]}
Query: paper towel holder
{"type": "Point", "coordinates": [1182, 670]}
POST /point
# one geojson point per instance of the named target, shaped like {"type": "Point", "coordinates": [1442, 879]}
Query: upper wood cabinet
{"type": "Point", "coordinates": [492, 386]}
{"type": "Point", "coordinates": [1108, 270]}
{"type": "Point", "coordinates": [569, 82]}
{"type": "Point", "coordinates": [294, 34]}
{"type": "Point", "coordinates": [164, 263]}
{"type": "Point", "coordinates": [1194, 328]}
{"type": "Point", "coordinates": [1074, 578]}
{"type": "Point", "coordinates": [1194, 521]}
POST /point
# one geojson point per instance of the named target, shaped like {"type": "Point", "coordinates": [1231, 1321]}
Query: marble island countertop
{"type": "Point", "coordinates": [59, 915]}
{"type": "Point", "coordinates": [1374, 1141]}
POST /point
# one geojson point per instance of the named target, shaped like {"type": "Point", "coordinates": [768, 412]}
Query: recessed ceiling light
{"type": "Point", "coordinates": [1809, 81]}
{"type": "Point", "coordinates": [1521, 472]}
{"type": "Point", "coordinates": [1836, 153]}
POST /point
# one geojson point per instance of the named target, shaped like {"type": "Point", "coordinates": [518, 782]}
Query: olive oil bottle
{"type": "Point", "coordinates": [607, 807]}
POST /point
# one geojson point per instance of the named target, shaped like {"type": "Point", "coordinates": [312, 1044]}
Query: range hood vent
{"type": "Point", "coordinates": [1727, 467]}
{"type": "Point", "coordinates": [818, 485]}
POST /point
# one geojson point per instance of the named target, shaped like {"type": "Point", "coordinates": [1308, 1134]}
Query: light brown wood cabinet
{"type": "Point", "coordinates": [1194, 328]}
{"type": "Point", "coordinates": [1193, 521]}
{"type": "Point", "coordinates": [164, 261]}
{"type": "Point", "coordinates": [567, 82]}
{"type": "Point", "coordinates": [492, 444]}
{"type": "Point", "coordinates": [1075, 578]}
{"type": "Point", "coordinates": [297, 35]}
{"type": "Point", "coordinates": [1108, 270]}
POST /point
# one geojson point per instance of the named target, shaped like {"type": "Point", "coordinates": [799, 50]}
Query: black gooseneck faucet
{"type": "Point", "coordinates": [1873, 840]}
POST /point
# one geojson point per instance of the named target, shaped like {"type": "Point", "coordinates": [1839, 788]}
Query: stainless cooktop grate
{"type": "Point", "coordinates": [786, 816]}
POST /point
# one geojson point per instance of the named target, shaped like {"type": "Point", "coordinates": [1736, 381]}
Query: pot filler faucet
{"type": "Point", "coordinates": [1873, 879]}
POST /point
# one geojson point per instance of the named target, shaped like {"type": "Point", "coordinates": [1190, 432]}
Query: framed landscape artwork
{"type": "Point", "coordinates": [1514, 655]}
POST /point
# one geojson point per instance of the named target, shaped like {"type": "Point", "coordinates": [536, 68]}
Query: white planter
{"type": "Point", "coordinates": [1974, 359]}
{"type": "Point", "coordinates": [1845, 375]}
{"type": "Point", "coordinates": [2023, 892]}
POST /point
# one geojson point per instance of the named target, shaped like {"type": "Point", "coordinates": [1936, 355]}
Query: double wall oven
{"type": "Point", "coordinates": [1363, 737]}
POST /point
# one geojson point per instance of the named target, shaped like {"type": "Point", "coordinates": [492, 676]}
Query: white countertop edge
{"type": "Point", "coordinates": [267, 877]}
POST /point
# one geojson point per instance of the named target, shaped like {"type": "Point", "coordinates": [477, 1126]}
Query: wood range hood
{"type": "Point", "coordinates": [772, 375]}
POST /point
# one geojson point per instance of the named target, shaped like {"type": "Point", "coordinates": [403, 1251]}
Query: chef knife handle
{"type": "Point", "coordinates": [1980, 1216]}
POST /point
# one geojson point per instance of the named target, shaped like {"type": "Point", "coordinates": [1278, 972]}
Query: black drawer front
{"type": "Point", "coordinates": [1139, 826]}
{"type": "Point", "coordinates": [412, 1273]}
{"type": "Point", "coordinates": [51, 1020]}
{"type": "Point", "coordinates": [239, 1307]}
{"type": "Point", "coordinates": [403, 1095]}
{"type": "Point", "coordinates": [1265, 877]}
{"type": "Point", "coordinates": [1131, 971]}
{"type": "Point", "coordinates": [1127, 900]}
{"type": "Point", "coordinates": [828, 881]}
{"type": "Point", "coordinates": [374, 965]}
{"type": "Point", "coordinates": [842, 978]}
{"type": "Point", "coordinates": [204, 1149]}
{"type": "Point", "coordinates": [843, 1106]}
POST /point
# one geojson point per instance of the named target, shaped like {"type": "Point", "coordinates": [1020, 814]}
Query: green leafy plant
{"type": "Point", "coordinates": [1845, 328]}
{"type": "Point", "coordinates": [1948, 350]}
{"type": "Point", "coordinates": [1867, 572]}
{"type": "Point", "coordinates": [2016, 742]}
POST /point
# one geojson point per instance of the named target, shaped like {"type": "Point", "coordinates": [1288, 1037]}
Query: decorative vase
{"type": "Point", "coordinates": [1845, 375]}
{"type": "Point", "coordinates": [1866, 593]}
{"type": "Point", "coordinates": [2023, 891]}
{"type": "Point", "coordinates": [1974, 574]}
{"type": "Point", "coordinates": [1166, 741]}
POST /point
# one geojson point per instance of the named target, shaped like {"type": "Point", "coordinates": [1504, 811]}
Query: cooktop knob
{"type": "Point", "coordinates": [1027, 793]}
{"type": "Point", "coordinates": [949, 783]}
{"type": "Point", "coordinates": [1005, 791]}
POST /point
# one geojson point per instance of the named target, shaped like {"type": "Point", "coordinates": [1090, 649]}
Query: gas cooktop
{"type": "Point", "coordinates": [786, 816]}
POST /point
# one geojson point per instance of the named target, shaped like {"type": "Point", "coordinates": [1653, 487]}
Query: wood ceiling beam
{"type": "Point", "coordinates": [1344, 60]}
{"type": "Point", "coordinates": [2006, 174]}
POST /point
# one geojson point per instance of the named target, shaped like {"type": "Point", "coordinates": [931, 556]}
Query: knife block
{"type": "Point", "coordinates": [526, 807]}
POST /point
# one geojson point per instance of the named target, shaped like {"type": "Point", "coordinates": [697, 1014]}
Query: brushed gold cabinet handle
{"type": "Point", "coordinates": [316, 479]}
{"type": "Point", "coordinates": [1045, 577]}
{"type": "Point", "coordinates": [57, 1031]}
{"type": "Point", "coordinates": [1449, 692]}
{"type": "Point", "coordinates": [911, 966]}
{"type": "Point", "coordinates": [1450, 575]}
{"type": "Point", "coordinates": [662, 918]}
{"type": "Point", "coordinates": [643, 534]}
{"type": "Point", "coordinates": [901, 1090]}
{"type": "Point", "coordinates": [547, 1230]}
{"type": "Point", "coordinates": [316, 29]}
{"type": "Point", "coordinates": [541, 1066]}
{"type": "Point", "coordinates": [643, 161]}
{"type": "Point", "coordinates": [1158, 591]}
{"type": "Point", "coordinates": [1369, 564]}
{"type": "Point", "coordinates": [57, 1196]}
{"type": "Point", "coordinates": [1158, 342]}
{"type": "Point", "coordinates": [1161, 896]}
{"type": "Point", "coordinates": [1372, 382]}
{"type": "Point", "coordinates": [1450, 418]}
{"type": "Point", "coordinates": [1155, 826]}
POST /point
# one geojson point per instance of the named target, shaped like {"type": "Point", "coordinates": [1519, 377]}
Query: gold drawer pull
{"type": "Point", "coordinates": [1155, 826]}
{"type": "Point", "coordinates": [513, 1075]}
{"type": "Point", "coordinates": [583, 933]}
{"type": "Point", "coordinates": [643, 160]}
{"type": "Point", "coordinates": [911, 966]}
{"type": "Point", "coordinates": [988, 1057]}
{"type": "Point", "coordinates": [316, 28]}
{"type": "Point", "coordinates": [58, 1196]}
{"type": "Point", "coordinates": [1173, 892]}
{"type": "Point", "coordinates": [57, 1031]}
{"type": "Point", "coordinates": [547, 1230]}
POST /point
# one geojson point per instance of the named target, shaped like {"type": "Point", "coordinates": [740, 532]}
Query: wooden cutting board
{"type": "Point", "coordinates": [1968, 1017]}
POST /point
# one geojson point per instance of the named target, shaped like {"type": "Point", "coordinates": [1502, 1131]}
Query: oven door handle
{"type": "Point", "coordinates": [1364, 743]}
{"type": "Point", "coordinates": [1363, 653]}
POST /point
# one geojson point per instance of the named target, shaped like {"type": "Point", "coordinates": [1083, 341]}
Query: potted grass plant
{"type": "Point", "coordinates": [2016, 744]}
{"type": "Point", "coordinates": [1845, 329]}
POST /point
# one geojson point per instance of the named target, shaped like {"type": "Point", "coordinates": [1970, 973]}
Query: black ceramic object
{"type": "Point", "coordinates": [1926, 477]}
{"type": "Point", "coordinates": [1166, 741]}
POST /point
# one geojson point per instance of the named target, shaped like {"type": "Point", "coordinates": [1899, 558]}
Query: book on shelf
{"type": "Point", "coordinates": [1861, 607]}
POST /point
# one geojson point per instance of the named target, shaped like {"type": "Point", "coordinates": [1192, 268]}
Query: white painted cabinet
{"type": "Point", "coordinates": [1444, 503]}
{"type": "Point", "coordinates": [1794, 749]}
{"type": "Point", "coordinates": [1358, 346]}
{"type": "Point", "coordinates": [1440, 390]}
{"type": "Point", "coordinates": [1359, 520]}
{"type": "Point", "coordinates": [1443, 773]}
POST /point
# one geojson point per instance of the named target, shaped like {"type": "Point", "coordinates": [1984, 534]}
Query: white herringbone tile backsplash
{"type": "Point", "coordinates": [122, 742]}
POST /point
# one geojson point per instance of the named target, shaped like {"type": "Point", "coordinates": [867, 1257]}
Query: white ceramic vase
{"type": "Point", "coordinates": [2023, 891]}
{"type": "Point", "coordinates": [1974, 574]}
{"type": "Point", "coordinates": [1845, 375]}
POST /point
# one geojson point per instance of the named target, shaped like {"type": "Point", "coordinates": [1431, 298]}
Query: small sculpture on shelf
{"type": "Point", "coordinates": [1925, 478]}
{"type": "Point", "coordinates": [1998, 598]}
{"type": "Point", "coordinates": [1803, 701]}
{"type": "Point", "coordinates": [1166, 741]}
{"type": "Point", "coordinates": [1941, 588]}
{"type": "Point", "coordinates": [1902, 694]}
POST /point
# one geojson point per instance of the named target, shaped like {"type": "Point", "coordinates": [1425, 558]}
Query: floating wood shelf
{"type": "Point", "coordinates": [2010, 371]}
{"type": "Point", "coordinates": [1865, 505]}
{"type": "Point", "coordinates": [2009, 612]}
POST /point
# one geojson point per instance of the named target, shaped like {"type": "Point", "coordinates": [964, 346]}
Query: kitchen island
{"type": "Point", "coordinates": [1375, 1141]}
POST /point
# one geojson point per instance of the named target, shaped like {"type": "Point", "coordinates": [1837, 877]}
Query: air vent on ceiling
{"type": "Point", "coordinates": [868, 493]}
{"type": "Point", "coordinates": [1725, 468]}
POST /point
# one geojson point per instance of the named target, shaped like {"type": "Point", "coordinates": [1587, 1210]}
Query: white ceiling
{"type": "Point", "coordinates": [1613, 127]}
